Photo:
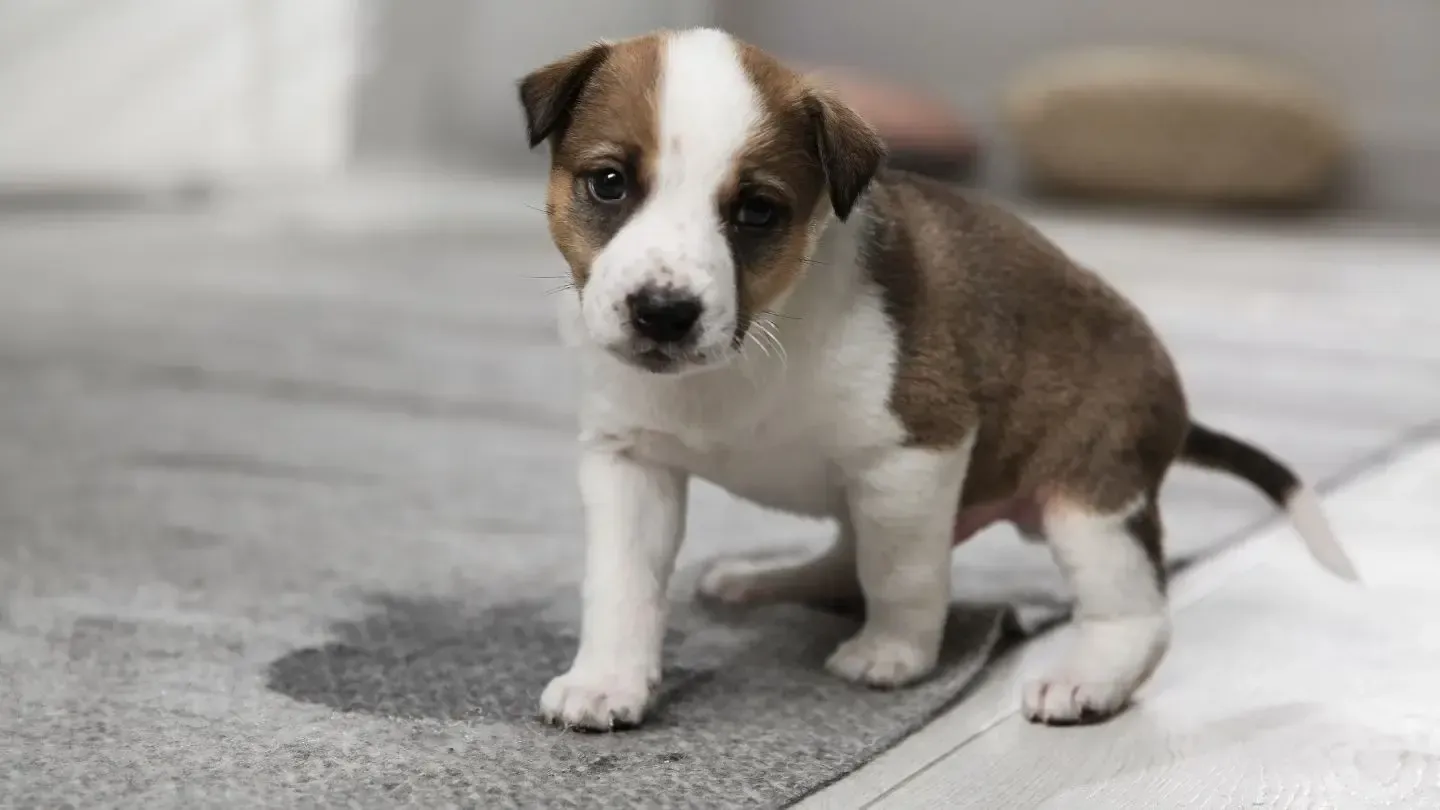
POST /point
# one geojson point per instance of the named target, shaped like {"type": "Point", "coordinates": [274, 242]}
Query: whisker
{"type": "Point", "coordinates": [784, 354]}
{"type": "Point", "coordinates": [775, 333]}
{"type": "Point", "coordinates": [746, 368]}
{"type": "Point", "coordinates": [547, 210]}
{"type": "Point", "coordinates": [754, 336]}
{"type": "Point", "coordinates": [772, 314]}
{"type": "Point", "coordinates": [766, 329]}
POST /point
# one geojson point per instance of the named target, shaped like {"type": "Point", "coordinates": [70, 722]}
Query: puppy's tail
{"type": "Point", "coordinates": [1216, 451]}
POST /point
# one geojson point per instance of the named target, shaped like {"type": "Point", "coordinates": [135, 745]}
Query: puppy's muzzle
{"type": "Point", "coordinates": [667, 319]}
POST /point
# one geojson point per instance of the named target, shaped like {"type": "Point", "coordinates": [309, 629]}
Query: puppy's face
{"type": "Point", "coordinates": [691, 176]}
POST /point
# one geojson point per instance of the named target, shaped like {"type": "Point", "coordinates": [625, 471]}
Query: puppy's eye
{"type": "Point", "coordinates": [607, 185]}
{"type": "Point", "coordinates": [755, 211]}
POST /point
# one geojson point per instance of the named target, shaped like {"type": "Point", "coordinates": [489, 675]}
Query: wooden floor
{"type": "Point", "coordinates": [1283, 688]}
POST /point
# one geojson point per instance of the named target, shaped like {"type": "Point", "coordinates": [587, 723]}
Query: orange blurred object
{"type": "Point", "coordinates": [924, 134]}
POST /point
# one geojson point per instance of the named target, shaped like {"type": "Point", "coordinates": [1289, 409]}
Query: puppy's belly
{"type": "Point", "coordinates": [1022, 511]}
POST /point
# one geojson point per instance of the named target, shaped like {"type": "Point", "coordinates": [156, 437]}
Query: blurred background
{"type": "Point", "coordinates": [129, 95]}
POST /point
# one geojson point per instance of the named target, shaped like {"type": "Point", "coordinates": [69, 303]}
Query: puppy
{"type": "Point", "coordinates": [760, 304]}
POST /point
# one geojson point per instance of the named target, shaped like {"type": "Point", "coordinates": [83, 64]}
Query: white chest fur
{"type": "Point", "coordinates": [778, 425]}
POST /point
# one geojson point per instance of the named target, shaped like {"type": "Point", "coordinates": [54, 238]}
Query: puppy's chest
{"type": "Point", "coordinates": [783, 444]}
{"type": "Point", "coordinates": [789, 461]}
{"type": "Point", "coordinates": [781, 430]}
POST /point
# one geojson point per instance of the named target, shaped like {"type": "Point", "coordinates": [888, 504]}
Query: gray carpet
{"type": "Point", "coordinates": [289, 521]}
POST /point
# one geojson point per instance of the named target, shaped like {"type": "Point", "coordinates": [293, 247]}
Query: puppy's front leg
{"type": "Point", "coordinates": [634, 516]}
{"type": "Point", "coordinates": [903, 506]}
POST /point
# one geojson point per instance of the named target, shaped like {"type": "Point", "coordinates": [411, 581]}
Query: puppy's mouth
{"type": "Point", "coordinates": [658, 361]}
{"type": "Point", "coordinates": [667, 360]}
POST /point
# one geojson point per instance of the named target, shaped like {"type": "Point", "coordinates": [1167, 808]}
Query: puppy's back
{"type": "Point", "coordinates": [1000, 331]}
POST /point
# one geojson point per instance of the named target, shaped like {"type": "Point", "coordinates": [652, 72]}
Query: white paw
{"type": "Point", "coordinates": [881, 661]}
{"type": "Point", "coordinates": [1110, 659]}
{"type": "Point", "coordinates": [1059, 701]}
{"type": "Point", "coordinates": [595, 702]}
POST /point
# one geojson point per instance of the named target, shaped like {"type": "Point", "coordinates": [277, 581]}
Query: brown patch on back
{"type": "Point", "coordinates": [1070, 392]}
{"type": "Point", "coordinates": [612, 122]}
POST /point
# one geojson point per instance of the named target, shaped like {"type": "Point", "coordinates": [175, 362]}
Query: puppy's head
{"type": "Point", "coordinates": [690, 177]}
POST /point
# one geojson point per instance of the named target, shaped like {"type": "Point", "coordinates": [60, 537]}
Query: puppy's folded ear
{"type": "Point", "coordinates": [849, 148]}
{"type": "Point", "coordinates": [549, 94]}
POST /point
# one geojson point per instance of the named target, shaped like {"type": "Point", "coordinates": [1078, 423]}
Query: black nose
{"type": "Point", "coordinates": [663, 317]}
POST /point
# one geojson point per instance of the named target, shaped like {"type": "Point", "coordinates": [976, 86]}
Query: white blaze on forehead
{"type": "Point", "coordinates": [708, 108]}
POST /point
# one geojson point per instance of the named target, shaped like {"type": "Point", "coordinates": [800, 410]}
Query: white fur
{"type": "Point", "coordinates": [827, 576]}
{"type": "Point", "coordinates": [707, 108]}
{"type": "Point", "coordinates": [634, 514]}
{"type": "Point", "coordinates": [1310, 522]}
{"type": "Point", "coordinates": [799, 421]}
{"type": "Point", "coordinates": [903, 502]}
{"type": "Point", "coordinates": [1122, 628]}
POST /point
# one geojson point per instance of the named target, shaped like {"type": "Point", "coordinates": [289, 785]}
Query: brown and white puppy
{"type": "Point", "coordinates": [760, 304]}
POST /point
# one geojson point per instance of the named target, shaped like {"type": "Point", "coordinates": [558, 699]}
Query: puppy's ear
{"type": "Point", "coordinates": [549, 94]}
{"type": "Point", "coordinates": [850, 150]}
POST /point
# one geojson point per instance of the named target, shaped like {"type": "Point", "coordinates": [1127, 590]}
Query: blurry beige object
{"type": "Point", "coordinates": [1178, 125]}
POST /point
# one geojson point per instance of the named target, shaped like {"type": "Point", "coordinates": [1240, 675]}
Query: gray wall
{"type": "Point", "coordinates": [438, 76]}
{"type": "Point", "coordinates": [439, 88]}
{"type": "Point", "coordinates": [1380, 58]}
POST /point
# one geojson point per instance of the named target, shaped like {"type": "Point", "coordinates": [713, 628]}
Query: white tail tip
{"type": "Point", "coordinates": [1310, 521]}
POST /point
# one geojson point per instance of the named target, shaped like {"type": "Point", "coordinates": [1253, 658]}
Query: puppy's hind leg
{"type": "Point", "coordinates": [828, 576]}
{"type": "Point", "coordinates": [1121, 625]}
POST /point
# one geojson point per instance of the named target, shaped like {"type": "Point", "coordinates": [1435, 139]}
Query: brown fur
{"type": "Point", "coordinates": [600, 103]}
{"type": "Point", "coordinates": [808, 150]}
{"type": "Point", "coordinates": [781, 159]}
{"type": "Point", "coordinates": [597, 108]}
{"type": "Point", "coordinates": [1069, 390]}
